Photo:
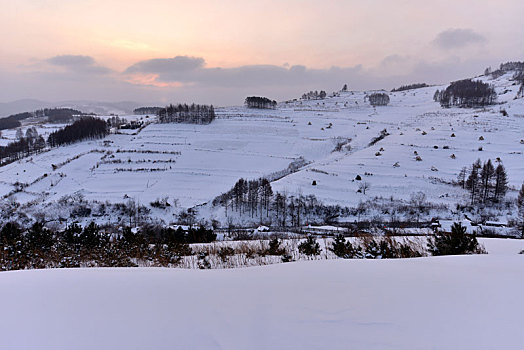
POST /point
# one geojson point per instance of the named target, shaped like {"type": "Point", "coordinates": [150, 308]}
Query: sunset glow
{"type": "Point", "coordinates": [390, 41]}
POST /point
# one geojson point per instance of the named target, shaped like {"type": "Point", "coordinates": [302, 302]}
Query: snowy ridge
{"type": "Point", "coordinates": [192, 164]}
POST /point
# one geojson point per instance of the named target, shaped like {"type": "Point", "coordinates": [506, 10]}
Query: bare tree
{"type": "Point", "coordinates": [363, 187]}
{"type": "Point", "coordinates": [461, 178]}
{"type": "Point", "coordinates": [361, 209]}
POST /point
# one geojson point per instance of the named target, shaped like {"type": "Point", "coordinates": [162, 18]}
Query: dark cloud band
{"type": "Point", "coordinates": [458, 38]}
{"type": "Point", "coordinates": [79, 64]}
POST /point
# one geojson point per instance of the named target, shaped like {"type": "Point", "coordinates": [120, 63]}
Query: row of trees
{"type": "Point", "coordinates": [456, 242]}
{"type": "Point", "coordinates": [410, 87]}
{"type": "Point", "coordinates": [24, 146]}
{"type": "Point", "coordinates": [183, 113]}
{"type": "Point", "coordinates": [504, 68]}
{"type": "Point", "coordinates": [147, 110]}
{"type": "Point", "coordinates": [486, 183]}
{"type": "Point", "coordinates": [466, 93]}
{"type": "Point", "coordinates": [82, 129]}
{"type": "Point", "coordinates": [519, 77]}
{"type": "Point", "coordinates": [40, 247]}
{"type": "Point", "coordinates": [369, 248]}
{"type": "Point", "coordinates": [260, 102]}
{"type": "Point", "coordinates": [247, 196]}
{"type": "Point", "coordinates": [509, 66]}
{"type": "Point", "coordinates": [257, 199]}
{"type": "Point", "coordinates": [9, 123]}
{"type": "Point", "coordinates": [32, 142]}
{"type": "Point", "coordinates": [116, 122]}
{"type": "Point", "coordinates": [379, 99]}
{"type": "Point", "coordinates": [54, 115]}
{"type": "Point", "coordinates": [58, 115]}
{"type": "Point", "coordinates": [13, 121]}
{"type": "Point", "coordinates": [122, 123]}
{"type": "Point", "coordinates": [21, 116]}
{"type": "Point", "coordinates": [315, 95]}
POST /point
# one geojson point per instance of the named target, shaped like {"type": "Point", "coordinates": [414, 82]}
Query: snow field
{"type": "Point", "coordinates": [458, 302]}
{"type": "Point", "coordinates": [195, 163]}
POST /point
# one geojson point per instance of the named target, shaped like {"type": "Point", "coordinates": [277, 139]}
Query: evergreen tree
{"type": "Point", "coordinates": [489, 185]}
{"type": "Point", "coordinates": [309, 247]}
{"type": "Point", "coordinates": [83, 129]}
{"type": "Point", "coordinates": [436, 96]}
{"type": "Point", "coordinates": [190, 114]}
{"type": "Point", "coordinates": [455, 243]}
{"type": "Point", "coordinates": [410, 87]}
{"type": "Point", "coordinates": [343, 249]}
{"type": "Point", "coordinates": [472, 183]}
{"type": "Point", "coordinates": [267, 193]}
{"type": "Point", "coordinates": [486, 178]}
{"type": "Point", "coordinates": [467, 93]}
{"type": "Point", "coordinates": [260, 102]}
{"type": "Point", "coordinates": [10, 234]}
{"type": "Point", "coordinates": [520, 208]}
{"type": "Point", "coordinates": [147, 110]}
{"type": "Point", "coordinates": [39, 238]}
{"type": "Point", "coordinates": [315, 95]}
{"type": "Point", "coordinates": [275, 248]}
{"type": "Point", "coordinates": [12, 249]}
{"type": "Point", "coordinates": [501, 183]}
{"type": "Point", "coordinates": [280, 206]}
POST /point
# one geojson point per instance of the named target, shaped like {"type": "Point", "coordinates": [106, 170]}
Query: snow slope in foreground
{"type": "Point", "coordinates": [467, 302]}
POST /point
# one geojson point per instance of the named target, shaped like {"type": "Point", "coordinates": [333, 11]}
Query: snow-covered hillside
{"type": "Point", "coordinates": [458, 302]}
{"type": "Point", "coordinates": [192, 164]}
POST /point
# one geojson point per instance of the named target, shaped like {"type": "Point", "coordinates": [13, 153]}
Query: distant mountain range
{"type": "Point", "coordinates": [97, 107]}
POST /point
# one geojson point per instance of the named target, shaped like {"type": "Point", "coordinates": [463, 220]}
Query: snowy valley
{"type": "Point", "coordinates": [368, 160]}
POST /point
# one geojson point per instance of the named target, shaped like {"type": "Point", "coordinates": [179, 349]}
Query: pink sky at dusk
{"type": "Point", "coordinates": [219, 51]}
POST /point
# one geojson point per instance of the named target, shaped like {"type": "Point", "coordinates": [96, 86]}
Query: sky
{"type": "Point", "coordinates": [219, 52]}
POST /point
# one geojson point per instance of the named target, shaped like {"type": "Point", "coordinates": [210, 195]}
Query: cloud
{"type": "Point", "coordinates": [230, 85]}
{"type": "Point", "coordinates": [167, 65]}
{"type": "Point", "coordinates": [77, 64]}
{"type": "Point", "coordinates": [71, 60]}
{"type": "Point", "coordinates": [455, 38]}
{"type": "Point", "coordinates": [192, 71]}
{"type": "Point", "coordinates": [189, 79]}
{"type": "Point", "coordinates": [395, 65]}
